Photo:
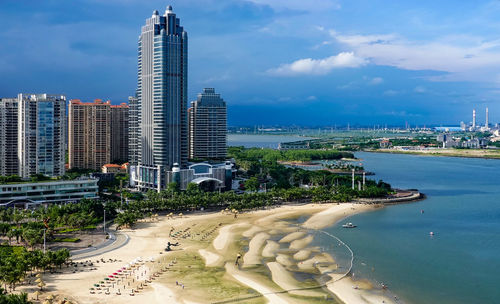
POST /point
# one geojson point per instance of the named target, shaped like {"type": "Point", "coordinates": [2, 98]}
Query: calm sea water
{"type": "Point", "coordinates": [261, 141]}
{"type": "Point", "coordinates": [461, 262]}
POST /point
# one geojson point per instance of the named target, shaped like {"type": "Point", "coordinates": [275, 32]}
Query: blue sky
{"type": "Point", "coordinates": [315, 62]}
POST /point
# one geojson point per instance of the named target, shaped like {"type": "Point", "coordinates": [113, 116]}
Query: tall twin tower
{"type": "Point", "coordinates": [161, 99]}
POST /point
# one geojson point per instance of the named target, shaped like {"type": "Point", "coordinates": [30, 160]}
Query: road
{"type": "Point", "coordinates": [116, 240]}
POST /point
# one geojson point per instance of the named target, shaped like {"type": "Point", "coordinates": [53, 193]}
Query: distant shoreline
{"type": "Point", "coordinates": [437, 153]}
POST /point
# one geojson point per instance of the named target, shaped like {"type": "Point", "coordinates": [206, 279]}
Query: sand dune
{"type": "Point", "coordinates": [270, 249]}
{"type": "Point", "coordinates": [254, 284]}
{"type": "Point", "coordinates": [334, 214]}
{"type": "Point", "coordinates": [302, 255]}
{"type": "Point", "coordinates": [301, 243]}
{"type": "Point", "coordinates": [284, 279]}
{"type": "Point", "coordinates": [221, 242]}
{"type": "Point", "coordinates": [211, 259]}
{"type": "Point", "coordinates": [253, 257]}
{"type": "Point", "coordinates": [312, 263]}
{"type": "Point", "coordinates": [252, 231]}
{"type": "Point", "coordinates": [292, 236]}
{"type": "Point", "coordinates": [284, 260]}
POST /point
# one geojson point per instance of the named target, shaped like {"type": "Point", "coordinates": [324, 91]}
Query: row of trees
{"type": "Point", "coordinates": [16, 262]}
{"type": "Point", "coordinates": [256, 154]}
{"type": "Point", "coordinates": [331, 190]}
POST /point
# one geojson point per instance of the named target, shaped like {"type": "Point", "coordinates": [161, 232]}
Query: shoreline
{"type": "Point", "coordinates": [436, 154]}
{"type": "Point", "coordinates": [205, 260]}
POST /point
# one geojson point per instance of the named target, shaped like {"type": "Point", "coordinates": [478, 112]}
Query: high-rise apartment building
{"type": "Point", "coordinates": [133, 131]}
{"type": "Point", "coordinates": [162, 98]}
{"type": "Point", "coordinates": [9, 164]}
{"type": "Point", "coordinates": [41, 134]}
{"type": "Point", "coordinates": [208, 126]}
{"type": "Point", "coordinates": [89, 137]}
{"type": "Point", "coordinates": [119, 133]}
{"type": "Point", "coordinates": [98, 134]}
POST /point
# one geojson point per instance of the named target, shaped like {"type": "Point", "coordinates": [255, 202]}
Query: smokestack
{"type": "Point", "coordinates": [474, 119]}
{"type": "Point", "coordinates": [487, 124]}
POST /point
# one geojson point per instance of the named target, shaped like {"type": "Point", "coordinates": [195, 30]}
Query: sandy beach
{"type": "Point", "coordinates": [205, 268]}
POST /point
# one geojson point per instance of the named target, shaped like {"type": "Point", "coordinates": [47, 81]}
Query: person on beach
{"type": "Point", "coordinates": [237, 262]}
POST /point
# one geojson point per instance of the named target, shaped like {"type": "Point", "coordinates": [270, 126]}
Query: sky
{"type": "Point", "coordinates": [275, 62]}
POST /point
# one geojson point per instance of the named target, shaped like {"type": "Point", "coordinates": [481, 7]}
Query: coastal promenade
{"type": "Point", "coordinates": [401, 196]}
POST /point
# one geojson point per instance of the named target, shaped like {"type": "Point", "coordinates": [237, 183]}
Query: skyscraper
{"type": "Point", "coordinates": [162, 98]}
{"type": "Point", "coordinates": [207, 126]}
{"type": "Point", "coordinates": [133, 131]}
{"type": "Point", "coordinates": [9, 164]}
{"type": "Point", "coordinates": [89, 129]}
{"type": "Point", "coordinates": [41, 134]}
{"type": "Point", "coordinates": [119, 133]}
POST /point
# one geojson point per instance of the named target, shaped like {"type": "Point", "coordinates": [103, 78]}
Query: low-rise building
{"type": "Point", "coordinates": [385, 144]}
{"type": "Point", "coordinates": [113, 168]}
{"type": "Point", "coordinates": [209, 177]}
{"type": "Point", "coordinates": [59, 191]}
{"type": "Point", "coordinates": [293, 146]}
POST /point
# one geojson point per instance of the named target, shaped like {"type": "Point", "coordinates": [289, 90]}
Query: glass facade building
{"type": "Point", "coordinates": [208, 126]}
{"type": "Point", "coordinates": [161, 99]}
{"type": "Point", "coordinates": [41, 134]}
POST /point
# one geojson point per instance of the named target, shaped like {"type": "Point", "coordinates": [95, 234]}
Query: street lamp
{"type": "Point", "coordinates": [104, 225]}
{"type": "Point", "coordinates": [44, 229]}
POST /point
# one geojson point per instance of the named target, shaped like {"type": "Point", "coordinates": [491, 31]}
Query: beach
{"type": "Point", "coordinates": [260, 256]}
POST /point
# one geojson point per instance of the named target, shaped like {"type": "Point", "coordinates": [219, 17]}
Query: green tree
{"type": "Point", "coordinates": [33, 236]}
{"type": "Point", "coordinates": [252, 184]}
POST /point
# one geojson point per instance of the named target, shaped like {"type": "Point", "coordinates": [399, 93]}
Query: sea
{"type": "Point", "coordinates": [460, 263]}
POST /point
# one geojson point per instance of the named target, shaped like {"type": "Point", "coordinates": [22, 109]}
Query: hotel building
{"type": "Point", "coordinates": [162, 99]}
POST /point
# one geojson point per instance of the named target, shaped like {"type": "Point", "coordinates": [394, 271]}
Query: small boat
{"type": "Point", "coordinates": [349, 225]}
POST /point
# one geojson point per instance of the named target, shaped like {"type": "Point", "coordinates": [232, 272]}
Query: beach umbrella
{"type": "Point", "coordinates": [96, 285]}
{"type": "Point", "coordinates": [38, 280]}
{"type": "Point", "coordinates": [110, 276]}
{"type": "Point", "coordinates": [50, 297]}
{"type": "Point", "coordinates": [46, 302]}
{"type": "Point", "coordinates": [38, 275]}
{"type": "Point", "coordinates": [115, 273]}
{"type": "Point", "coordinates": [36, 294]}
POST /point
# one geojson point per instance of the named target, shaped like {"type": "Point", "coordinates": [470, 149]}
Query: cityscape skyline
{"type": "Point", "coordinates": [324, 73]}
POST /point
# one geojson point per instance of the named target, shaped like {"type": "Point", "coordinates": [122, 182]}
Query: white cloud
{"type": "Point", "coordinates": [391, 93]}
{"type": "Point", "coordinates": [420, 89]}
{"type": "Point", "coordinates": [311, 98]}
{"type": "Point", "coordinates": [376, 81]}
{"type": "Point", "coordinates": [309, 66]}
{"type": "Point", "coordinates": [310, 5]}
{"type": "Point", "coordinates": [462, 57]}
